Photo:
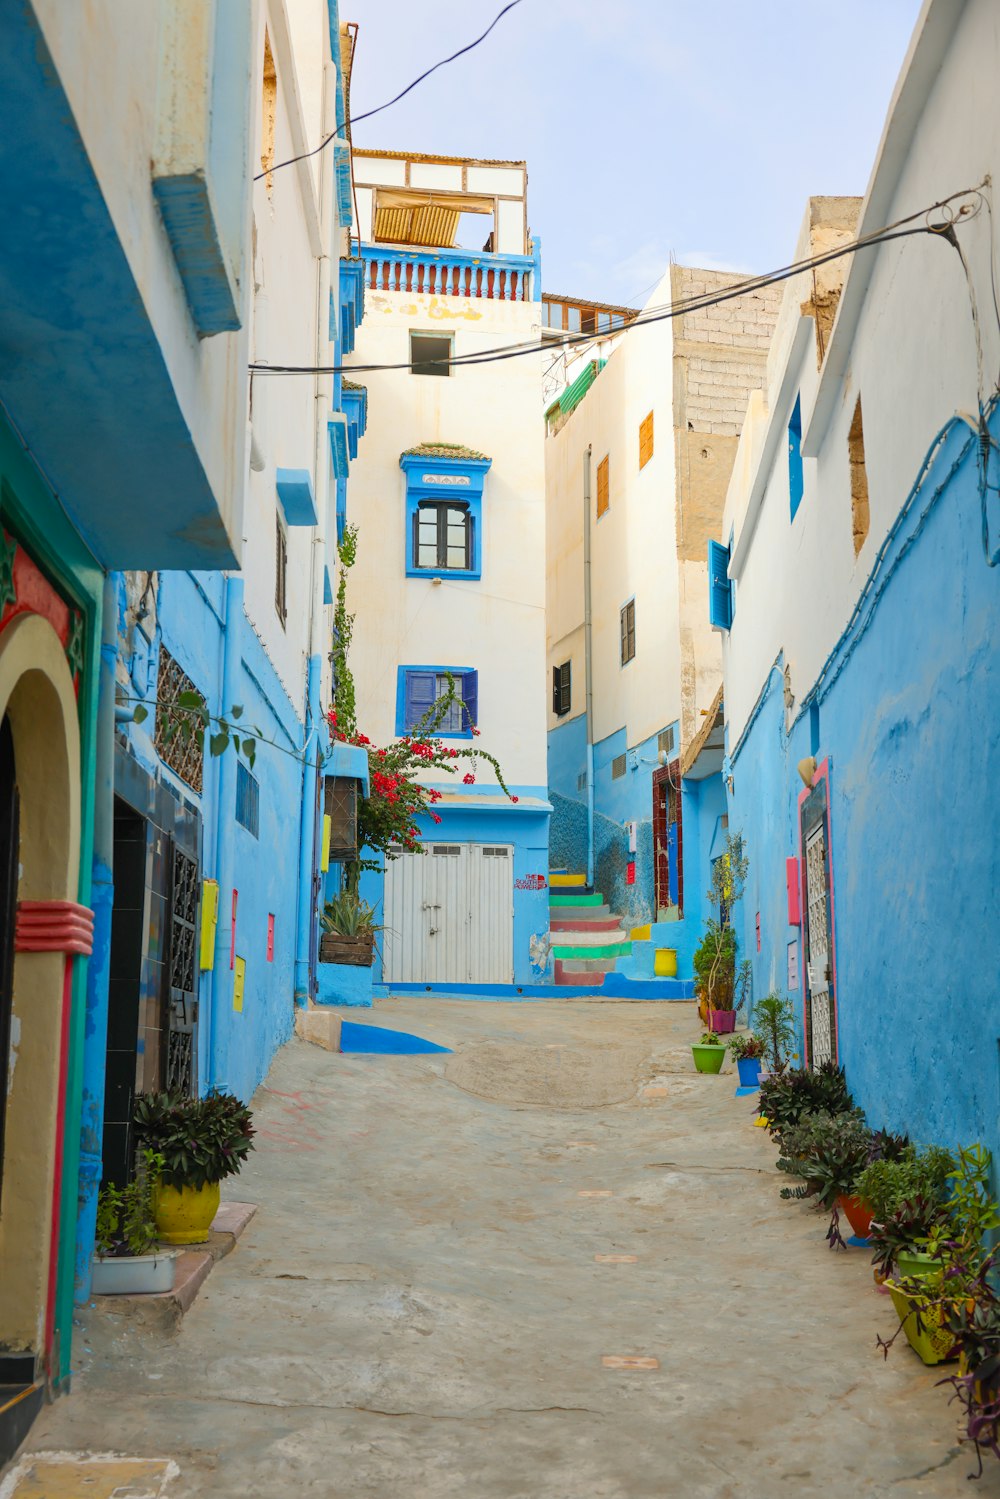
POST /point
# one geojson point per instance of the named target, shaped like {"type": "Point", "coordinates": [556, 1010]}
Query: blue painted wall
{"type": "Point", "coordinates": [907, 717]}
{"type": "Point", "coordinates": [190, 622]}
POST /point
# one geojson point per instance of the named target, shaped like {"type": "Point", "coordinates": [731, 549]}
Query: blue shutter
{"type": "Point", "coordinates": [796, 482]}
{"type": "Point", "coordinates": [470, 697]}
{"type": "Point", "coordinates": [720, 590]}
{"type": "Point", "coordinates": [421, 694]}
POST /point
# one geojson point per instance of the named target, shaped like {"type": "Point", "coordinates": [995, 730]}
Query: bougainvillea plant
{"type": "Point", "coordinates": [387, 818]}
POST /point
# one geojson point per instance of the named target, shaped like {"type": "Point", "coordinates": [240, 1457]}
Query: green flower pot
{"type": "Point", "coordinates": [709, 1058]}
{"type": "Point", "coordinates": [913, 1263]}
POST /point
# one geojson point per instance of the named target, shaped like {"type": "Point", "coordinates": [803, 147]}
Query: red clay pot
{"type": "Point", "coordinates": [858, 1215]}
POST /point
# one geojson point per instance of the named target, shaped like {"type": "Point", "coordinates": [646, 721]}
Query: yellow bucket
{"type": "Point", "coordinates": [665, 963]}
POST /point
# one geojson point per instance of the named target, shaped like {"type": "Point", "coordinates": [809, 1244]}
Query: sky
{"type": "Point", "coordinates": [692, 129]}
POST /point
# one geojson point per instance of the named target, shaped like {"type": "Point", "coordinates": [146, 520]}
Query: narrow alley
{"type": "Point", "coordinates": [452, 1254]}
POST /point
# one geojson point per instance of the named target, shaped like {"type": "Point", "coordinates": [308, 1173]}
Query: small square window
{"type": "Point", "coordinates": [561, 689]}
{"type": "Point", "coordinates": [618, 767]}
{"type": "Point", "coordinates": [628, 632]}
{"type": "Point", "coordinates": [430, 353]}
{"type": "Point", "coordinates": [442, 536]}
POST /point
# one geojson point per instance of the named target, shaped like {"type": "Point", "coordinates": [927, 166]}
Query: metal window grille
{"type": "Point", "coordinates": [280, 570]}
{"type": "Point", "coordinates": [247, 800]}
{"type": "Point", "coordinates": [665, 740]}
{"type": "Point", "coordinates": [455, 720]}
{"type": "Point", "coordinates": [628, 632]}
{"type": "Point", "coordinates": [581, 781]}
{"type": "Point", "coordinates": [182, 1014]}
{"type": "Point", "coordinates": [184, 756]}
{"type": "Point", "coordinates": [340, 804]}
{"type": "Point", "coordinates": [618, 767]}
{"type": "Point", "coordinates": [496, 853]}
{"type": "Point", "coordinates": [451, 849]}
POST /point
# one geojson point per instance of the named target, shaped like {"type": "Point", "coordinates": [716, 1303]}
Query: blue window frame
{"type": "Point", "coordinates": [796, 483]}
{"type": "Point", "coordinates": [418, 688]}
{"type": "Point", "coordinates": [720, 589]}
{"type": "Point", "coordinates": [444, 514]}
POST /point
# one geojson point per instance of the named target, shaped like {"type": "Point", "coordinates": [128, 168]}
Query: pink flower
{"type": "Point", "coordinates": [475, 732]}
{"type": "Point", "coordinates": [468, 779]}
{"type": "Point", "coordinates": [513, 798]}
{"type": "Point", "coordinates": [435, 817]}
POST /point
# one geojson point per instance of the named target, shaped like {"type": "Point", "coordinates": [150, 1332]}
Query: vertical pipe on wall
{"type": "Point", "coordinates": [98, 968]}
{"type": "Point", "coordinates": [225, 811]}
{"type": "Point", "coordinates": [588, 662]}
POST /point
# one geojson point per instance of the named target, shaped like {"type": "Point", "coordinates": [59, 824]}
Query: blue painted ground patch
{"type": "Point", "coordinates": [375, 1039]}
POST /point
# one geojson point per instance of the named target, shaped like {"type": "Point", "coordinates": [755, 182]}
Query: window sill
{"type": "Point", "coordinates": [462, 575]}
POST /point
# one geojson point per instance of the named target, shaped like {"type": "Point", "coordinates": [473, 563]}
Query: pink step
{"type": "Point", "coordinates": [575, 924]}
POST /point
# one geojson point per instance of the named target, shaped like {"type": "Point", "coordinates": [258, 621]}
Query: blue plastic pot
{"type": "Point", "coordinates": [749, 1070]}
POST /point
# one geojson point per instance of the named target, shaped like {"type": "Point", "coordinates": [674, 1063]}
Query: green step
{"type": "Point", "coordinates": [561, 899]}
{"type": "Point", "coordinates": [612, 950]}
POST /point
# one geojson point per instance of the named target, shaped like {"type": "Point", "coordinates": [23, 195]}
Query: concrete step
{"type": "Point", "coordinates": [592, 949]}
{"type": "Point", "coordinates": [559, 881]}
{"type": "Point", "coordinates": [591, 936]}
{"type": "Point", "coordinates": [585, 921]}
{"type": "Point", "coordinates": [576, 898]}
{"type": "Point", "coordinates": [592, 980]}
{"type": "Point", "coordinates": [583, 966]}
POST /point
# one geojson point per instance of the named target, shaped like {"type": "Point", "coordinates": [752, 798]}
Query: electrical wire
{"type": "Point", "coordinates": [305, 155]}
{"type": "Point", "coordinates": [668, 311]}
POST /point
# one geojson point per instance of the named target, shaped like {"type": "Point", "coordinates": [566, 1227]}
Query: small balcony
{"type": "Point", "coordinates": [451, 273]}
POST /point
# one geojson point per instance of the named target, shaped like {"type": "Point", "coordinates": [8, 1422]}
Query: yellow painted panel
{"type": "Point", "coordinates": [641, 933]}
{"type": "Point", "coordinates": [239, 983]}
{"type": "Point", "coordinates": [209, 921]}
{"type": "Point", "coordinates": [559, 881]}
{"type": "Point", "coordinates": [324, 862]}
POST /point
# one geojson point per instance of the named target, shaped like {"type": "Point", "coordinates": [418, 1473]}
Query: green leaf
{"type": "Point", "coordinates": [236, 711]}
{"type": "Point", "coordinates": [219, 743]}
{"type": "Point", "coordinates": [236, 743]}
{"type": "Point", "coordinates": [250, 749]}
{"type": "Point", "coordinates": [140, 715]}
{"type": "Point", "coordinates": [189, 700]}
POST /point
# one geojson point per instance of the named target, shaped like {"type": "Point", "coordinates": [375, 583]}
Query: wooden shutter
{"type": "Point", "coordinates": [603, 487]}
{"type": "Point", "coordinates": [421, 694]}
{"type": "Point", "coordinates": [470, 697]}
{"type": "Point", "coordinates": [645, 440]}
{"type": "Point", "coordinates": [720, 590]}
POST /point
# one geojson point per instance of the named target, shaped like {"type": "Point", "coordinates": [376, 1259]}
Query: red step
{"type": "Point", "coordinates": [575, 924]}
{"type": "Point", "coordinates": [590, 978]}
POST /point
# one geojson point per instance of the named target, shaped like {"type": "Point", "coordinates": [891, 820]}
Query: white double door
{"type": "Point", "coordinates": [449, 915]}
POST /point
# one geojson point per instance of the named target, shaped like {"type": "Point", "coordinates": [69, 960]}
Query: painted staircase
{"type": "Point", "coordinates": [591, 949]}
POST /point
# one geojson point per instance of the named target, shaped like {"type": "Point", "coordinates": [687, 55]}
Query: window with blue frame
{"type": "Point", "coordinates": [418, 688]}
{"type": "Point", "coordinates": [796, 482]}
{"type": "Point", "coordinates": [720, 589]}
{"type": "Point", "coordinates": [444, 505]}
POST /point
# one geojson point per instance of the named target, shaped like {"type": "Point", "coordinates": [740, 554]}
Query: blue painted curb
{"type": "Point", "coordinates": [745, 1092]}
{"type": "Point", "coordinates": [376, 1040]}
{"type": "Point", "coordinates": [614, 987]}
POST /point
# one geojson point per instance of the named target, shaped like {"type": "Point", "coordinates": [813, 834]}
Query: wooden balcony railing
{"type": "Point", "coordinates": [449, 273]}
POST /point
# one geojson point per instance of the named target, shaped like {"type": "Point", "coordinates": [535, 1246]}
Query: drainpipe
{"type": "Point", "coordinates": [95, 1044]}
{"type": "Point", "coordinates": [588, 663]}
{"type": "Point", "coordinates": [225, 854]}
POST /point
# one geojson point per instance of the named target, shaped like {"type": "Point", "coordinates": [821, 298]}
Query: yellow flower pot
{"type": "Point", "coordinates": [665, 962]}
{"type": "Point", "coordinates": [184, 1214]}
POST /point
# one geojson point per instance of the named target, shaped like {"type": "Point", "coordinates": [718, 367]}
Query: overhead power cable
{"type": "Point", "coordinates": [671, 310]}
{"type": "Point", "coordinates": [357, 119]}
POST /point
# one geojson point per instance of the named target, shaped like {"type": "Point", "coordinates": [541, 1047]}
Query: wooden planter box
{"type": "Point", "coordinates": [355, 951]}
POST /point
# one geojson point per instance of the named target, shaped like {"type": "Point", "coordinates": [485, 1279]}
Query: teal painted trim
{"type": "Point", "coordinates": [556, 899]}
{"type": "Point", "coordinates": [327, 584]}
{"type": "Point", "coordinates": [189, 217]}
{"type": "Point", "coordinates": [615, 986]}
{"type": "Point", "coordinates": [536, 261]}
{"type": "Point", "coordinates": [298, 499]}
{"type": "Point", "coordinates": [340, 456]}
{"type": "Point", "coordinates": [354, 404]}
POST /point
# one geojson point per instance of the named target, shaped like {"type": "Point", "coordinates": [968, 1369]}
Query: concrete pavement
{"type": "Point", "coordinates": [551, 1264]}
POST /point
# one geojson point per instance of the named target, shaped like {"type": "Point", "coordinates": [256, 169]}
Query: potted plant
{"type": "Point", "coordinates": [748, 1053]}
{"type": "Point", "coordinates": [772, 1023]}
{"type": "Point", "coordinates": [974, 1324]}
{"type": "Point", "coordinates": [709, 1054]}
{"type": "Point", "coordinates": [200, 1141]}
{"type": "Point", "coordinates": [722, 982]}
{"type": "Point", "coordinates": [786, 1097]}
{"type": "Point", "coordinates": [905, 1198]}
{"type": "Point", "coordinates": [348, 931]}
{"type": "Point", "coordinates": [126, 1259]}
